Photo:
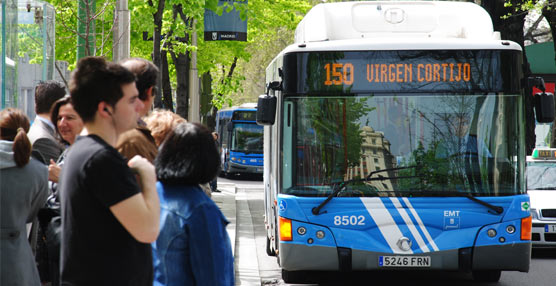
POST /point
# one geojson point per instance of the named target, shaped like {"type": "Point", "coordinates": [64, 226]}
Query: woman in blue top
{"type": "Point", "coordinates": [193, 247]}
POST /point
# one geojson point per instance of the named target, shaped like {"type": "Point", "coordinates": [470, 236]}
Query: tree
{"type": "Point", "coordinates": [549, 12]}
{"type": "Point", "coordinates": [510, 21]}
{"type": "Point", "coordinates": [271, 28]}
{"type": "Point", "coordinates": [169, 25]}
{"type": "Point", "coordinates": [99, 25]}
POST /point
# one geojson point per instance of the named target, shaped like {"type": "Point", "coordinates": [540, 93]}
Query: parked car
{"type": "Point", "coordinates": [541, 187]}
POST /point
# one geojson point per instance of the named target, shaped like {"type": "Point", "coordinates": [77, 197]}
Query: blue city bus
{"type": "Point", "coordinates": [240, 140]}
{"type": "Point", "coordinates": [395, 140]}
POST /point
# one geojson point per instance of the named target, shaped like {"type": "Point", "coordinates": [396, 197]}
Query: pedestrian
{"type": "Point", "coordinates": [23, 189]}
{"type": "Point", "coordinates": [108, 218]}
{"type": "Point", "coordinates": [43, 138]}
{"type": "Point", "coordinates": [214, 182]}
{"type": "Point", "coordinates": [68, 125]}
{"type": "Point", "coordinates": [139, 140]}
{"type": "Point", "coordinates": [161, 122]}
{"type": "Point", "coordinates": [42, 134]}
{"type": "Point", "coordinates": [193, 247]}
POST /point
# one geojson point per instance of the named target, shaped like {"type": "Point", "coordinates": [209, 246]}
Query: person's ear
{"type": "Point", "coordinates": [104, 109]}
{"type": "Point", "coordinates": [150, 91]}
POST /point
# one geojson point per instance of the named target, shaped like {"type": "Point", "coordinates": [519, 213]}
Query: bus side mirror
{"type": "Point", "coordinates": [266, 109]}
{"type": "Point", "coordinates": [230, 126]}
{"type": "Point", "coordinates": [544, 107]}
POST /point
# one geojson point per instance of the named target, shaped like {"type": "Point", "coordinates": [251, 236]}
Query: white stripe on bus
{"type": "Point", "coordinates": [421, 225]}
{"type": "Point", "coordinates": [410, 225]}
{"type": "Point", "coordinates": [385, 223]}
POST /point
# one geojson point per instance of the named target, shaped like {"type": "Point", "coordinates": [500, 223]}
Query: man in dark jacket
{"type": "Point", "coordinates": [42, 134]}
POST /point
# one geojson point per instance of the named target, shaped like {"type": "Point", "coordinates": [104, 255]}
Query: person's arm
{"type": "Point", "coordinates": [48, 149]}
{"type": "Point", "coordinates": [140, 213]}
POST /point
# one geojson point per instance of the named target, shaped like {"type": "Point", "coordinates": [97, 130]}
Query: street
{"type": "Point", "coordinates": [254, 267]}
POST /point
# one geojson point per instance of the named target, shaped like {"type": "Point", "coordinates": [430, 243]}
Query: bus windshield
{"type": "Point", "coordinates": [449, 142]}
{"type": "Point", "coordinates": [247, 138]}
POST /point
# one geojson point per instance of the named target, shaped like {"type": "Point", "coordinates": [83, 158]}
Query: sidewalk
{"type": "Point", "coordinates": [234, 206]}
{"type": "Point", "coordinates": [226, 201]}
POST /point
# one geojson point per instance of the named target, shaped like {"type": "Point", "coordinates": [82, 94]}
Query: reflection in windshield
{"type": "Point", "coordinates": [247, 138]}
{"type": "Point", "coordinates": [460, 143]}
{"type": "Point", "coordinates": [541, 176]}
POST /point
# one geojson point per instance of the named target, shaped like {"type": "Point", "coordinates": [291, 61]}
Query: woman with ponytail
{"type": "Point", "coordinates": [23, 191]}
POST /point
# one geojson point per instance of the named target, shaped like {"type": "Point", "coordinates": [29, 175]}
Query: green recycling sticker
{"type": "Point", "coordinates": [525, 206]}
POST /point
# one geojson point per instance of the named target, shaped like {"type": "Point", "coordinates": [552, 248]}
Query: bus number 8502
{"type": "Point", "coordinates": [349, 220]}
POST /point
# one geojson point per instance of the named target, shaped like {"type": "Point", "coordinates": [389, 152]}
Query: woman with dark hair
{"type": "Point", "coordinates": [68, 125]}
{"type": "Point", "coordinates": [193, 247]}
{"type": "Point", "coordinates": [24, 188]}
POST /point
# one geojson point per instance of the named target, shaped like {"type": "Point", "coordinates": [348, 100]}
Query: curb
{"type": "Point", "coordinates": [226, 201]}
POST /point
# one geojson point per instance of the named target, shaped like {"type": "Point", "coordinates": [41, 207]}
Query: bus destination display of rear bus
{"type": "Point", "coordinates": [402, 71]}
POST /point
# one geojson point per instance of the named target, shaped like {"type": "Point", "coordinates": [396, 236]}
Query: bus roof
{"type": "Point", "coordinates": [403, 19]}
{"type": "Point", "coordinates": [244, 106]}
{"type": "Point", "coordinates": [399, 44]}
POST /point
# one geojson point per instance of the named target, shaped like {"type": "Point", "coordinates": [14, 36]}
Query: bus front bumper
{"type": "Point", "coordinates": [513, 257]}
{"type": "Point", "coordinates": [240, 168]}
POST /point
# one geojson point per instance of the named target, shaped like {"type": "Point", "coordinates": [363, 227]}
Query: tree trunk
{"type": "Point", "coordinates": [511, 29]}
{"type": "Point", "coordinates": [166, 86]}
{"type": "Point", "coordinates": [157, 35]}
{"type": "Point", "coordinates": [181, 62]}
{"type": "Point", "coordinates": [207, 117]}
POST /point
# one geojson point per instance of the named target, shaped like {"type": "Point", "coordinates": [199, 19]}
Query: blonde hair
{"type": "Point", "coordinates": [160, 122]}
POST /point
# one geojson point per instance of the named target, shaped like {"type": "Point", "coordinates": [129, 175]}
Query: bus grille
{"type": "Point", "coordinates": [549, 213]}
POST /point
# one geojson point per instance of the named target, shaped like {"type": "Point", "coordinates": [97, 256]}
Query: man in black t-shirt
{"type": "Point", "coordinates": [108, 219]}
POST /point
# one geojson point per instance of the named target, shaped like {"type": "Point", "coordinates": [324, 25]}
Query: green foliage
{"type": "Point", "coordinates": [30, 41]}
{"type": "Point", "coordinates": [66, 29]}
{"type": "Point", "coordinates": [265, 20]}
{"type": "Point", "coordinates": [268, 23]}
{"type": "Point", "coordinates": [524, 6]}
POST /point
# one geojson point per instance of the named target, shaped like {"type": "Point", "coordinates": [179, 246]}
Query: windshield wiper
{"type": "Point", "coordinates": [496, 209]}
{"type": "Point", "coordinates": [342, 185]}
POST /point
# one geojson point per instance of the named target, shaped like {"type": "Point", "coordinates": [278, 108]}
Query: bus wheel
{"type": "Point", "coordinates": [487, 275]}
{"type": "Point", "coordinates": [269, 252]}
{"type": "Point", "coordinates": [294, 277]}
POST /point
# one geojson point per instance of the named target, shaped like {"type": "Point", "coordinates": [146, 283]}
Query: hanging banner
{"type": "Point", "coordinates": [228, 26]}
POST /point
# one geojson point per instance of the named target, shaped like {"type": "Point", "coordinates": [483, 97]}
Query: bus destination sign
{"type": "Point", "coordinates": [400, 71]}
{"type": "Point", "coordinates": [343, 73]}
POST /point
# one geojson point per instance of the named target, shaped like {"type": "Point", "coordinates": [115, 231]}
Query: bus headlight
{"type": "Point", "coordinates": [491, 232]}
{"type": "Point", "coordinates": [301, 230]}
{"type": "Point", "coordinates": [510, 229]}
{"type": "Point", "coordinates": [320, 234]}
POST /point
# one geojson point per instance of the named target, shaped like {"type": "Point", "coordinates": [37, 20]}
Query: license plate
{"type": "Point", "coordinates": [404, 261]}
{"type": "Point", "coordinates": [550, 228]}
